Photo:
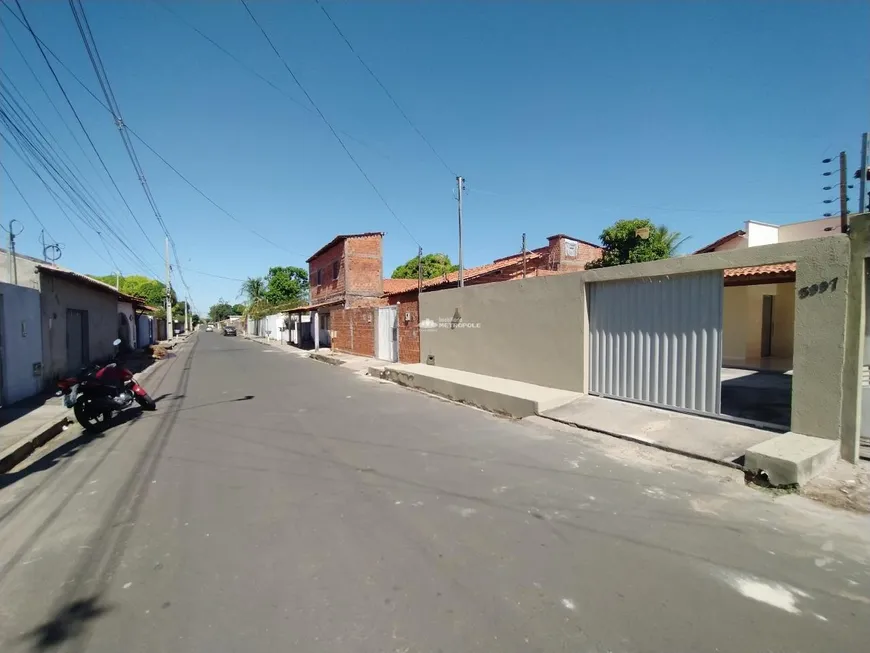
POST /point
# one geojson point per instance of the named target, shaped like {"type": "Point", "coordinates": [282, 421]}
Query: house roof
{"type": "Point", "coordinates": [773, 269]}
{"type": "Point", "coordinates": [392, 286]}
{"type": "Point", "coordinates": [724, 239]}
{"type": "Point", "coordinates": [469, 273]}
{"type": "Point", "coordinates": [313, 307]}
{"type": "Point", "coordinates": [340, 238]}
{"type": "Point", "coordinates": [83, 279]}
{"type": "Point", "coordinates": [579, 240]}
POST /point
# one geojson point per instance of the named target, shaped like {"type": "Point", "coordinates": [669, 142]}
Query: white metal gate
{"type": "Point", "coordinates": [658, 340]}
{"type": "Point", "coordinates": [387, 343]}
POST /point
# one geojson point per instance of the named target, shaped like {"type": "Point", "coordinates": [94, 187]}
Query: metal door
{"type": "Point", "coordinates": [76, 339]}
{"type": "Point", "coordinates": [387, 342]}
{"type": "Point", "coordinates": [658, 341]}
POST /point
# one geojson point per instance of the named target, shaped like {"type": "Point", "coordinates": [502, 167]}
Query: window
{"type": "Point", "coordinates": [335, 266]}
{"type": "Point", "coordinates": [319, 276]}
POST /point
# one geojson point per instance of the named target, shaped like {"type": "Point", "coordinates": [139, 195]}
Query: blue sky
{"type": "Point", "coordinates": [563, 117]}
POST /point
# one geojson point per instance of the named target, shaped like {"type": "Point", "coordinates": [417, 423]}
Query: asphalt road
{"type": "Point", "coordinates": [274, 503]}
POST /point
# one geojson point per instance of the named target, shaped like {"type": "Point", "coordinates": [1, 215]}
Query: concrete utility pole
{"type": "Point", "coordinates": [13, 264]}
{"type": "Point", "coordinates": [460, 185]}
{"type": "Point", "coordinates": [862, 183]}
{"type": "Point", "coordinates": [524, 256]}
{"type": "Point", "coordinates": [419, 272]}
{"type": "Point", "coordinates": [186, 323]}
{"type": "Point", "coordinates": [170, 327]}
{"type": "Point", "coordinates": [117, 280]}
{"type": "Point", "coordinates": [844, 200]}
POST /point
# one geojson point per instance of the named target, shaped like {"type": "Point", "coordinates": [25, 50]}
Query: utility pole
{"type": "Point", "coordinates": [844, 200]}
{"type": "Point", "coordinates": [117, 280]}
{"type": "Point", "coordinates": [419, 272]}
{"type": "Point", "coordinates": [460, 182]}
{"type": "Point", "coordinates": [862, 171]}
{"type": "Point", "coordinates": [170, 327]}
{"type": "Point", "coordinates": [186, 327]}
{"type": "Point", "coordinates": [524, 256]}
{"type": "Point", "coordinates": [13, 264]}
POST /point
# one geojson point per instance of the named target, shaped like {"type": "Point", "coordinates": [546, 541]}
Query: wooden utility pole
{"type": "Point", "coordinates": [524, 256]}
{"type": "Point", "coordinates": [170, 327]}
{"type": "Point", "coordinates": [459, 187]}
{"type": "Point", "coordinates": [844, 199]}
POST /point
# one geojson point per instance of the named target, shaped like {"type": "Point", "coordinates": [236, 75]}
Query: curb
{"type": "Point", "coordinates": [21, 450]}
{"type": "Point", "coordinates": [329, 360]}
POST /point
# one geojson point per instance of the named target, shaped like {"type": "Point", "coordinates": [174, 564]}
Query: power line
{"type": "Point", "coordinates": [328, 124]}
{"type": "Point", "coordinates": [105, 106]}
{"type": "Point", "coordinates": [384, 89]}
{"type": "Point", "coordinates": [26, 23]}
{"type": "Point", "coordinates": [31, 140]}
{"type": "Point", "coordinates": [256, 74]}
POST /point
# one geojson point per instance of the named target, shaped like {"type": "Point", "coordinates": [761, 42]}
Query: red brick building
{"type": "Point", "coordinates": [347, 288]}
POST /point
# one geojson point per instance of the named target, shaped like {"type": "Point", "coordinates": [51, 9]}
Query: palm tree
{"type": "Point", "coordinates": [253, 289]}
{"type": "Point", "coordinates": [672, 239]}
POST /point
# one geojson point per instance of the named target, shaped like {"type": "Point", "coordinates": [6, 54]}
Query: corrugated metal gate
{"type": "Point", "coordinates": [658, 341]}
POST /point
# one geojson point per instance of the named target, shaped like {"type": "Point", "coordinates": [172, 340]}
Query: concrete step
{"type": "Point", "coordinates": [503, 396]}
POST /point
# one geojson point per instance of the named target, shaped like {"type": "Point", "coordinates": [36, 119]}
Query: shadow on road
{"type": "Point", "coordinates": [69, 449]}
{"type": "Point", "coordinates": [68, 623]}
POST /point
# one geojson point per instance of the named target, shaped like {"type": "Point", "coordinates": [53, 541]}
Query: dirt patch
{"type": "Point", "coordinates": [843, 486]}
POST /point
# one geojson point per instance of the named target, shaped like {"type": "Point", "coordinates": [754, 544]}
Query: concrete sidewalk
{"type": "Point", "coordinates": [27, 425]}
{"type": "Point", "coordinates": [503, 396]}
{"type": "Point", "coordinates": [31, 423]}
{"type": "Point", "coordinates": [701, 438]}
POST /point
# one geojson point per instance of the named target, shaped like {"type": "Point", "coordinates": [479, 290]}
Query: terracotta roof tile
{"type": "Point", "coordinates": [756, 270]}
{"type": "Point", "coordinates": [393, 286]}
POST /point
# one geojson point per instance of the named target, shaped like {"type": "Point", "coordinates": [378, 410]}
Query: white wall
{"type": "Point", "coordinates": [125, 308]}
{"type": "Point", "coordinates": [758, 233]}
{"type": "Point", "coordinates": [22, 342]}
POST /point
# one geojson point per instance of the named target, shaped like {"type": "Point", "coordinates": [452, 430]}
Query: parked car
{"type": "Point", "coordinates": [229, 330]}
{"type": "Point", "coordinates": [209, 328]}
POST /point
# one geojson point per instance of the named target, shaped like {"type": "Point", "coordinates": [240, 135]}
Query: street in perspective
{"type": "Point", "coordinates": [276, 375]}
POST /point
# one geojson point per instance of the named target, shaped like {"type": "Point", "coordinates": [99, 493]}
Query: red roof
{"type": "Point", "coordinates": [393, 286]}
{"type": "Point", "coordinates": [468, 273]}
{"type": "Point", "coordinates": [724, 239]}
{"type": "Point", "coordinates": [761, 270]}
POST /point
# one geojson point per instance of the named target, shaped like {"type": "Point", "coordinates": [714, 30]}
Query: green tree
{"type": "Point", "coordinates": [434, 265]}
{"type": "Point", "coordinates": [195, 320]}
{"type": "Point", "coordinates": [253, 289]}
{"type": "Point", "coordinates": [151, 291]}
{"type": "Point", "coordinates": [285, 285]}
{"type": "Point", "coordinates": [238, 309]}
{"type": "Point", "coordinates": [220, 311]}
{"type": "Point", "coordinates": [636, 241]}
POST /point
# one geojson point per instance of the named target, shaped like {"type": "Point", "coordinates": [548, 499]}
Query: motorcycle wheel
{"type": "Point", "coordinates": [146, 402]}
{"type": "Point", "coordinates": [94, 422]}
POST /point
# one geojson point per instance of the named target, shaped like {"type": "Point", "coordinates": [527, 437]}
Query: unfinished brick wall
{"type": "Point", "coordinates": [354, 330]}
{"type": "Point", "coordinates": [561, 260]}
{"type": "Point", "coordinates": [365, 269]}
{"type": "Point", "coordinates": [409, 330]}
{"type": "Point", "coordinates": [329, 288]}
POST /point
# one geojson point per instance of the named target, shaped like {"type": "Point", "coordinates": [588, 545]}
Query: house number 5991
{"type": "Point", "coordinates": [818, 288]}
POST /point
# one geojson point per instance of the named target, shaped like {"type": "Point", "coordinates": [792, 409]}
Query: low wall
{"type": "Point", "coordinates": [536, 329]}
{"type": "Point", "coordinates": [354, 330]}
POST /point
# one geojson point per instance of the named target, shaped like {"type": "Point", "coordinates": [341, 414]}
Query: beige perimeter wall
{"type": "Point", "coordinates": [534, 330]}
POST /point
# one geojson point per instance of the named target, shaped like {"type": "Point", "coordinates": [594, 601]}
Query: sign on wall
{"type": "Point", "coordinates": [570, 248]}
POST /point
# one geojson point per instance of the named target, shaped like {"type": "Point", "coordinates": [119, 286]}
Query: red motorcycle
{"type": "Point", "coordinates": [98, 393]}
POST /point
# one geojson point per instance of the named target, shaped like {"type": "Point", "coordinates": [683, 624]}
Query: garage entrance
{"type": "Point", "coordinates": [658, 341]}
